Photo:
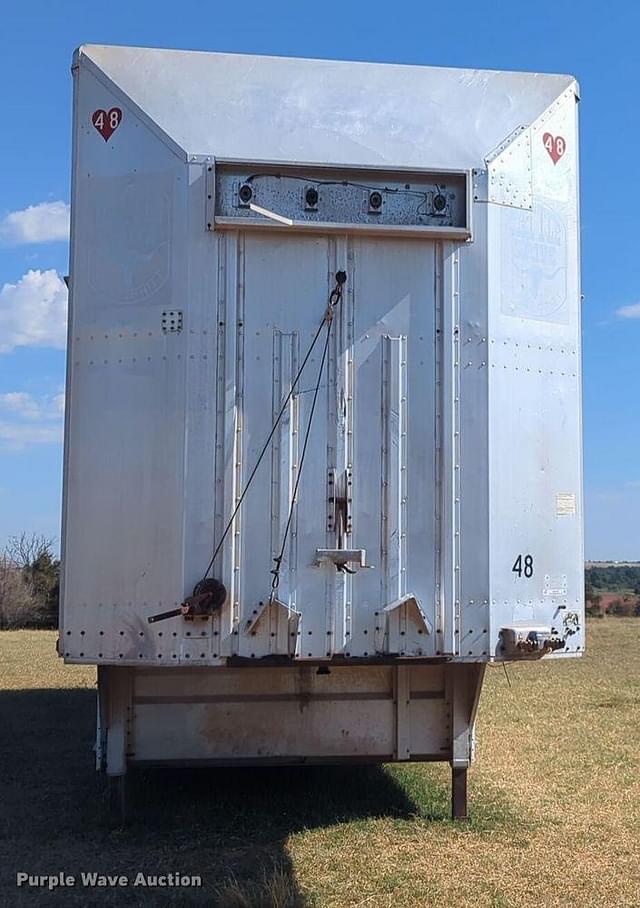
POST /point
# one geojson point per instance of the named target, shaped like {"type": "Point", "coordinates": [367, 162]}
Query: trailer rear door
{"type": "Point", "coordinates": [368, 481]}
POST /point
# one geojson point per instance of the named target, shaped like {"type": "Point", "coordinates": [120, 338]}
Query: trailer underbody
{"type": "Point", "coordinates": [299, 714]}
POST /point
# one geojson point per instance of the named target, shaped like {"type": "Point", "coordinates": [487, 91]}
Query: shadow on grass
{"type": "Point", "coordinates": [229, 826]}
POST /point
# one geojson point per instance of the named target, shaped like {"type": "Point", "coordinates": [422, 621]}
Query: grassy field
{"type": "Point", "coordinates": [555, 796]}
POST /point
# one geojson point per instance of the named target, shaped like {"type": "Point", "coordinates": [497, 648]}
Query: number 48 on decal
{"type": "Point", "coordinates": [106, 121]}
{"type": "Point", "coordinates": [523, 565]}
{"type": "Point", "coordinates": [555, 145]}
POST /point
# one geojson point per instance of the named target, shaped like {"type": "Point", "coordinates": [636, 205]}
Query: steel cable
{"type": "Point", "coordinates": [334, 298]}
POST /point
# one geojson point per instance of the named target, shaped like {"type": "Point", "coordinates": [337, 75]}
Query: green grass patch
{"type": "Point", "coordinates": [554, 795]}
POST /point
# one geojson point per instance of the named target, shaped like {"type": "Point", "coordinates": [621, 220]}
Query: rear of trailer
{"type": "Point", "coordinates": [324, 339]}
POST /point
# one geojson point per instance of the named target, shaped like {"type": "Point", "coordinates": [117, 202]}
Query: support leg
{"type": "Point", "coordinates": [117, 787]}
{"type": "Point", "coordinates": [464, 683]}
{"type": "Point", "coordinates": [115, 696]}
{"type": "Point", "coordinates": [118, 698]}
{"type": "Point", "coordinates": [459, 793]}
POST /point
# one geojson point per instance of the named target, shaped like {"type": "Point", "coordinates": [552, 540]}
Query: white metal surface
{"type": "Point", "coordinates": [450, 406]}
{"type": "Point", "coordinates": [290, 714]}
{"type": "Point", "coordinates": [322, 111]}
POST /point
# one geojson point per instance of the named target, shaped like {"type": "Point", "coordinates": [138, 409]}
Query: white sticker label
{"type": "Point", "coordinates": [555, 585]}
{"type": "Point", "coordinates": [565, 504]}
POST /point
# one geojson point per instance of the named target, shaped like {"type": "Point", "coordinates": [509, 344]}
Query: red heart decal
{"type": "Point", "coordinates": [106, 122]}
{"type": "Point", "coordinates": [555, 145]}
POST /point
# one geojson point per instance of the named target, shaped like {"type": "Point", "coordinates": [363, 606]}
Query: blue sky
{"type": "Point", "coordinates": [596, 43]}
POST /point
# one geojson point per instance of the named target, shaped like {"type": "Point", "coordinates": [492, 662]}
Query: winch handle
{"type": "Point", "coordinates": [162, 616]}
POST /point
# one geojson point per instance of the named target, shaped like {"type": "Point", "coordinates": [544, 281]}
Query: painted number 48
{"type": "Point", "coordinates": [523, 566]}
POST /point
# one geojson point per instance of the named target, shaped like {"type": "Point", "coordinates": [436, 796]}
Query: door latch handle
{"type": "Point", "coordinates": [342, 557]}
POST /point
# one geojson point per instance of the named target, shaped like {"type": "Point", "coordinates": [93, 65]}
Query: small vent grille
{"type": "Point", "coordinates": [172, 320]}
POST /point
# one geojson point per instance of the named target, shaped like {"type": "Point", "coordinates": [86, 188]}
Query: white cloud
{"type": "Point", "coordinates": [28, 407]}
{"type": "Point", "coordinates": [632, 311]}
{"type": "Point", "coordinates": [33, 312]}
{"type": "Point", "coordinates": [43, 223]}
{"type": "Point", "coordinates": [17, 436]}
{"type": "Point", "coordinates": [30, 420]}
{"type": "Point", "coordinates": [21, 403]}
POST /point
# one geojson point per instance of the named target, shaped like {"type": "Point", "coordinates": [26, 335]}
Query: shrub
{"type": "Point", "coordinates": [29, 583]}
{"type": "Point", "coordinates": [16, 601]}
{"type": "Point", "coordinates": [623, 608]}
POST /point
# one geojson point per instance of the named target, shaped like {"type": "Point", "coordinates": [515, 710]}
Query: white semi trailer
{"type": "Point", "coordinates": [323, 431]}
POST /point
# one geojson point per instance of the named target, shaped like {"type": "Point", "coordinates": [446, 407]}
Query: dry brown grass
{"type": "Point", "coordinates": [555, 795]}
{"type": "Point", "coordinates": [276, 888]}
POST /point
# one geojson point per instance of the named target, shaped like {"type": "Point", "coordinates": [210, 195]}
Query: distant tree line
{"type": "Point", "coordinates": [29, 583]}
{"type": "Point", "coordinates": [612, 590]}
{"type": "Point", "coordinates": [614, 578]}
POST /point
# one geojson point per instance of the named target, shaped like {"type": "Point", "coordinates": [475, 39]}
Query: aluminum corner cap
{"type": "Point", "coordinates": [286, 109]}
